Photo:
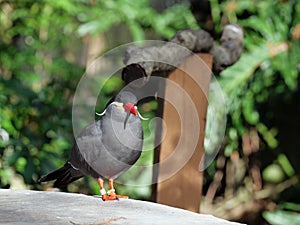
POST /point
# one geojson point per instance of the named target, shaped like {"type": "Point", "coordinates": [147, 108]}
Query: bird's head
{"type": "Point", "coordinates": [127, 101]}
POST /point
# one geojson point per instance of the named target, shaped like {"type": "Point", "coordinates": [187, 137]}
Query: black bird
{"type": "Point", "coordinates": [106, 148]}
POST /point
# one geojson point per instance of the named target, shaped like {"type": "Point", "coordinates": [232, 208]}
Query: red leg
{"type": "Point", "coordinates": [102, 190]}
{"type": "Point", "coordinates": [111, 195]}
{"type": "Point", "coordinates": [112, 191]}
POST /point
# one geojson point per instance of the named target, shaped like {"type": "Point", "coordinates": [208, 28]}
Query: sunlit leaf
{"type": "Point", "coordinates": [280, 217]}
{"type": "Point", "coordinates": [286, 165]}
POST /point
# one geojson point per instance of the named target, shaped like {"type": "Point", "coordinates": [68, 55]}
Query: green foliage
{"type": "Point", "coordinates": [273, 174]}
{"type": "Point", "coordinates": [287, 213]}
{"type": "Point", "coordinates": [106, 14]}
{"type": "Point", "coordinates": [36, 83]}
{"type": "Point", "coordinates": [267, 72]}
{"type": "Point", "coordinates": [268, 67]}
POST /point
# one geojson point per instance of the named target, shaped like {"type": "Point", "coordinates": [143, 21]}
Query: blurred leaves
{"type": "Point", "coordinates": [35, 89]}
{"type": "Point", "coordinates": [287, 213]}
{"type": "Point", "coordinates": [105, 14]}
{"type": "Point", "coordinates": [262, 94]}
{"type": "Point", "coordinates": [268, 67]}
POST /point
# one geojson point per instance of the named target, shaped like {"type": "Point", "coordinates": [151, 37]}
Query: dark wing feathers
{"type": "Point", "coordinates": [63, 175]}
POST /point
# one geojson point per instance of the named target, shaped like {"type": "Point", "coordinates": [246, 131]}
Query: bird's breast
{"type": "Point", "coordinates": [116, 137]}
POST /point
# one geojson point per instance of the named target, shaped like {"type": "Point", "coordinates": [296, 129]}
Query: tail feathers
{"type": "Point", "coordinates": [62, 176]}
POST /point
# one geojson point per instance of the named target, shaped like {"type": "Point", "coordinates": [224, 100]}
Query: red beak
{"type": "Point", "coordinates": [129, 107]}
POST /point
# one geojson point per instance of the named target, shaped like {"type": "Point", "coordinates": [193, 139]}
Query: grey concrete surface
{"type": "Point", "coordinates": [37, 207]}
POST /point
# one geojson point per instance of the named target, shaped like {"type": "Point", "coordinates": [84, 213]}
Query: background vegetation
{"type": "Point", "coordinates": [44, 49]}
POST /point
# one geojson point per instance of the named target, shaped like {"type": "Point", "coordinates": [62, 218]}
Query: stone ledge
{"type": "Point", "coordinates": [39, 207]}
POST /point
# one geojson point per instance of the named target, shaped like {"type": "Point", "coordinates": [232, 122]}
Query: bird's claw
{"type": "Point", "coordinates": [122, 196]}
{"type": "Point", "coordinates": [113, 197]}
{"type": "Point", "coordinates": [110, 197]}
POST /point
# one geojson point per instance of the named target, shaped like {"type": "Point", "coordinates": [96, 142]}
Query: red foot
{"type": "Point", "coordinates": [113, 197]}
{"type": "Point", "coordinates": [122, 196]}
{"type": "Point", "coordinates": [109, 198]}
